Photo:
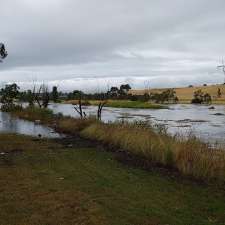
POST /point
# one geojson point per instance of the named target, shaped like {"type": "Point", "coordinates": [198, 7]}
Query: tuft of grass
{"type": "Point", "coordinates": [188, 156]}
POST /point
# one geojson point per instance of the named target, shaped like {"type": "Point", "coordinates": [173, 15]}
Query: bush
{"type": "Point", "coordinates": [201, 97]}
{"type": "Point", "coordinates": [11, 108]}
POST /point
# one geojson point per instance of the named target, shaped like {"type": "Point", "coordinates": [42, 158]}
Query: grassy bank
{"type": "Point", "coordinates": [189, 156]}
{"type": "Point", "coordinates": [122, 104]}
{"type": "Point", "coordinates": [45, 182]}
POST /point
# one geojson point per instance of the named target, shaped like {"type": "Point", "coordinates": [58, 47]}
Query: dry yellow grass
{"type": "Point", "coordinates": [185, 94]}
{"type": "Point", "coordinates": [188, 156]}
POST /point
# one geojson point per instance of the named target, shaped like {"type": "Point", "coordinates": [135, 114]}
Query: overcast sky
{"type": "Point", "coordinates": [93, 44]}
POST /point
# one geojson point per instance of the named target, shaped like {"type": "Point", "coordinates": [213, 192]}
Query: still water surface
{"type": "Point", "coordinates": [207, 124]}
{"type": "Point", "coordinates": [9, 124]}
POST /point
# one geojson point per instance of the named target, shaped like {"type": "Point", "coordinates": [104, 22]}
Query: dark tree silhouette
{"type": "Point", "coordinates": [55, 94]}
{"type": "Point", "coordinates": [3, 52]}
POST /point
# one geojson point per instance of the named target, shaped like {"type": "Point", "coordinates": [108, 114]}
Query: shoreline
{"type": "Point", "coordinates": [136, 139]}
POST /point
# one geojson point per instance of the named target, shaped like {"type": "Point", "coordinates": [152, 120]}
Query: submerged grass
{"type": "Point", "coordinates": [189, 156]}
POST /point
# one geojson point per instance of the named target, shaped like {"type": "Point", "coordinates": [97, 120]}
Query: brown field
{"type": "Point", "coordinates": [185, 94]}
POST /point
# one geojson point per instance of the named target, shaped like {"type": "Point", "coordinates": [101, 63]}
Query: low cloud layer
{"type": "Point", "coordinates": [89, 45]}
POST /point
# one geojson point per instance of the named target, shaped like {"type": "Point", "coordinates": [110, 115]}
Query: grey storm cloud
{"type": "Point", "coordinates": [91, 44]}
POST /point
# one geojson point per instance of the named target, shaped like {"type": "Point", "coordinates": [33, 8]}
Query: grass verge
{"type": "Point", "coordinates": [44, 182]}
{"type": "Point", "coordinates": [188, 156]}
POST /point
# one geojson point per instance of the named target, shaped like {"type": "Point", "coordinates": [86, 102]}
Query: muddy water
{"type": "Point", "coordinates": [207, 124]}
{"type": "Point", "coordinates": [9, 124]}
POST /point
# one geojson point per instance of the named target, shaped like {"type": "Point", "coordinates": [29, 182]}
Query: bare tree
{"type": "Point", "coordinates": [42, 96]}
{"type": "Point", "coordinates": [100, 107]}
{"type": "Point", "coordinates": [78, 107]}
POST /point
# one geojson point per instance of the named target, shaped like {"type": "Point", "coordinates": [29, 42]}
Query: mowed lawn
{"type": "Point", "coordinates": [45, 182]}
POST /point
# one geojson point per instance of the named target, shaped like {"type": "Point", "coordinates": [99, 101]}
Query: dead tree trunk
{"type": "Point", "coordinates": [42, 97]}
{"type": "Point", "coordinates": [79, 109]}
{"type": "Point", "coordinates": [100, 107]}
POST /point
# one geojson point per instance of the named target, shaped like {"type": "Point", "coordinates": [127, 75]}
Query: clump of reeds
{"type": "Point", "coordinates": [187, 155]}
{"type": "Point", "coordinates": [35, 113]}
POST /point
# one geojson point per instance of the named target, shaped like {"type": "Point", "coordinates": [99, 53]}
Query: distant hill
{"type": "Point", "coordinates": [185, 94]}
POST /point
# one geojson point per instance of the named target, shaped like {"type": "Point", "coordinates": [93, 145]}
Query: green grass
{"type": "Point", "coordinates": [133, 104]}
{"type": "Point", "coordinates": [35, 113]}
{"type": "Point", "coordinates": [189, 156]}
{"type": "Point", "coordinates": [42, 182]}
{"type": "Point", "coordinates": [123, 104]}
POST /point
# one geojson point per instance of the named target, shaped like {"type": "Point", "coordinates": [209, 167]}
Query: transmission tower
{"type": "Point", "coordinates": [222, 66]}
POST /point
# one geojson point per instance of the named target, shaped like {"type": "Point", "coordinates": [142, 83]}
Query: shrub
{"type": "Point", "coordinates": [201, 97]}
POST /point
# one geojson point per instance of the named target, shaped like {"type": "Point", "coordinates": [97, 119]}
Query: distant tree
{"type": "Point", "coordinates": [55, 94]}
{"type": "Point", "coordinates": [30, 97]}
{"type": "Point", "coordinates": [8, 95]}
{"type": "Point", "coordinates": [124, 88]}
{"type": "Point", "coordinates": [42, 96]}
{"type": "Point", "coordinates": [200, 97]}
{"type": "Point", "coordinates": [219, 94]}
{"type": "Point", "coordinates": [168, 96]}
{"type": "Point", "coordinates": [207, 98]}
{"type": "Point", "coordinates": [3, 52]}
{"type": "Point", "coordinates": [113, 92]}
{"type": "Point", "coordinates": [27, 96]}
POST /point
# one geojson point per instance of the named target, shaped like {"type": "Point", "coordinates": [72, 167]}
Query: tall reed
{"type": "Point", "coordinates": [187, 155]}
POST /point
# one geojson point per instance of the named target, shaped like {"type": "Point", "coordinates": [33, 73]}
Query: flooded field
{"type": "Point", "coordinates": [207, 124]}
{"type": "Point", "coordinates": [8, 124]}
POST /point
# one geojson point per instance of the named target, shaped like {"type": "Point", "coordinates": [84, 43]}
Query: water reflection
{"type": "Point", "coordinates": [14, 125]}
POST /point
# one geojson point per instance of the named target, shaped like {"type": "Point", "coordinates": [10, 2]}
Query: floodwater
{"type": "Point", "coordinates": [207, 124]}
{"type": "Point", "coordinates": [9, 124]}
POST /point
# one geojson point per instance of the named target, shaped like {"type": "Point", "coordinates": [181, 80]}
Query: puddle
{"type": "Point", "coordinates": [10, 124]}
